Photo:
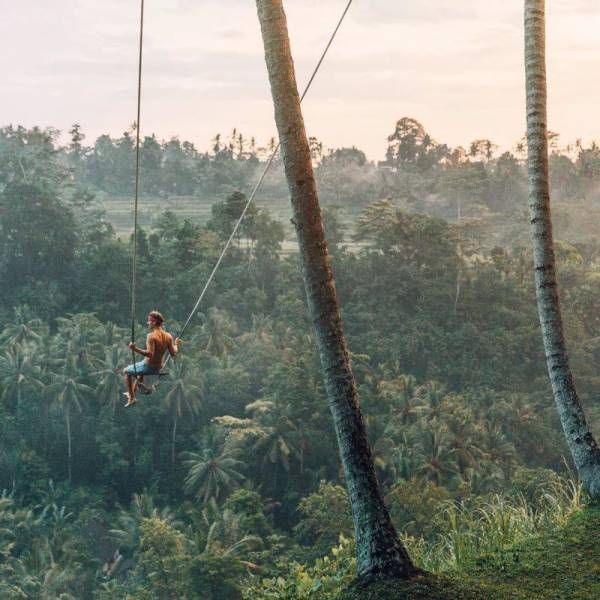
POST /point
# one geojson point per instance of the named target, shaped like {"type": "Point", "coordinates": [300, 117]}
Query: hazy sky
{"type": "Point", "coordinates": [456, 65]}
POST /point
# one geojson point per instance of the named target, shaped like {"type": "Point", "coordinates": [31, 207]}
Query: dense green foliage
{"type": "Point", "coordinates": [229, 473]}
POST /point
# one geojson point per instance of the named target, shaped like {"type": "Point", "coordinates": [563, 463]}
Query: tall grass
{"type": "Point", "coordinates": [493, 525]}
{"type": "Point", "coordinates": [472, 529]}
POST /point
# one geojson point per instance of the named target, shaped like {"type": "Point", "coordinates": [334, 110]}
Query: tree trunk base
{"type": "Point", "coordinates": [421, 585]}
{"type": "Point", "coordinates": [590, 480]}
{"type": "Point", "coordinates": [389, 572]}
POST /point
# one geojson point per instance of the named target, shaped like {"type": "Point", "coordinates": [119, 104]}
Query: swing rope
{"type": "Point", "coordinates": [137, 183]}
{"type": "Point", "coordinates": [251, 197]}
{"type": "Point", "coordinates": [263, 174]}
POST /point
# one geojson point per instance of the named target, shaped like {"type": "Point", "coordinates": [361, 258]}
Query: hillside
{"type": "Point", "coordinates": [556, 565]}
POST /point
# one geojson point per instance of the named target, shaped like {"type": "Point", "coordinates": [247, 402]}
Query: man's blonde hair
{"type": "Point", "coordinates": [157, 317]}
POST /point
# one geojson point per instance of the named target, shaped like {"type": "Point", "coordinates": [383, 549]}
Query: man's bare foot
{"type": "Point", "coordinates": [130, 401]}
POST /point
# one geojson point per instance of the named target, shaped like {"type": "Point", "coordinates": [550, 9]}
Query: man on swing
{"type": "Point", "coordinates": [158, 342]}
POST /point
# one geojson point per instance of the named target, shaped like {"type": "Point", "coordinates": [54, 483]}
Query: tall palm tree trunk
{"type": "Point", "coordinates": [379, 552]}
{"type": "Point", "coordinates": [580, 440]}
{"type": "Point", "coordinates": [68, 422]}
{"type": "Point", "coordinates": [173, 435]}
{"type": "Point", "coordinates": [45, 428]}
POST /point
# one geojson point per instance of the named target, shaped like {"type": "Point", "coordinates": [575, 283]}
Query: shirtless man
{"type": "Point", "coordinates": [158, 342]}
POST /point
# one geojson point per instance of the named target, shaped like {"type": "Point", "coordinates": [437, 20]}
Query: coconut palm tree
{"type": "Point", "coordinates": [261, 329]}
{"type": "Point", "coordinates": [110, 379]}
{"type": "Point", "coordinates": [276, 442]}
{"type": "Point", "coordinates": [463, 439]}
{"type": "Point", "coordinates": [382, 432]}
{"type": "Point", "coordinates": [433, 399]}
{"type": "Point", "coordinates": [182, 398]}
{"type": "Point", "coordinates": [7, 537]}
{"type": "Point", "coordinates": [18, 372]}
{"type": "Point", "coordinates": [437, 457]}
{"type": "Point", "coordinates": [22, 331]}
{"type": "Point", "coordinates": [378, 548]}
{"type": "Point", "coordinates": [211, 476]}
{"type": "Point", "coordinates": [68, 392]}
{"type": "Point", "coordinates": [463, 443]}
{"type": "Point", "coordinates": [406, 456]}
{"type": "Point", "coordinates": [110, 334]}
{"type": "Point", "coordinates": [497, 449]}
{"type": "Point", "coordinates": [581, 442]}
{"type": "Point", "coordinates": [225, 537]}
{"type": "Point", "coordinates": [127, 533]}
{"type": "Point", "coordinates": [56, 522]}
{"type": "Point", "coordinates": [218, 333]}
{"type": "Point", "coordinates": [402, 395]}
{"type": "Point", "coordinates": [78, 338]}
{"type": "Point", "coordinates": [478, 482]}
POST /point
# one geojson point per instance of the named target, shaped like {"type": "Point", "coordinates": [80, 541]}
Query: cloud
{"type": "Point", "coordinates": [409, 12]}
{"type": "Point", "coordinates": [457, 66]}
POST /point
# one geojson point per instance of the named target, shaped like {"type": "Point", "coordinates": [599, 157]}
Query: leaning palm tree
{"type": "Point", "coordinates": [581, 442]}
{"type": "Point", "coordinates": [379, 551]}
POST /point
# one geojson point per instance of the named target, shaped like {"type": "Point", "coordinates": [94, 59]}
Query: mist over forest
{"type": "Point", "coordinates": [226, 482]}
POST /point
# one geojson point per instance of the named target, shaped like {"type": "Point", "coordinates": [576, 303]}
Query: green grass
{"type": "Point", "coordinates": [119, 210]}
{"type": "Point", "coordinates": [563, 563]}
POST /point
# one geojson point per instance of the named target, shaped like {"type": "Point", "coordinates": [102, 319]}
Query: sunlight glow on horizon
{"type": "Point", "coordinates": [457, 70]}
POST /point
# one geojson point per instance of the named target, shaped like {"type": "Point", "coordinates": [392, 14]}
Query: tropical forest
{"type": "Point", "coordinates": [373, 398]}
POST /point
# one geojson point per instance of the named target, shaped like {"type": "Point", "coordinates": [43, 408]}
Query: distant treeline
{"type": "Point", "coordinates": [427, 175]}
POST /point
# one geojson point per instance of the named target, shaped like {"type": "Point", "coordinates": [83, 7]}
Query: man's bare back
{"type": "Point", "coordinates": [158, 343]}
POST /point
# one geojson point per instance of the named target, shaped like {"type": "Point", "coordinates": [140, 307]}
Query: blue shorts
{"type": "Point", "coordinates": [142, 368]}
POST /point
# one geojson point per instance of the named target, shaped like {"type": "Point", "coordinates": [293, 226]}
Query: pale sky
{"type": "Point", "coordinates": [455, 65]}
